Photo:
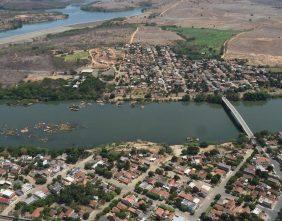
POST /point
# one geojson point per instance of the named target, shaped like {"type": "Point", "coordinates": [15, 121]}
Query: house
{"type": "Point", "coordinates": [9, 194]}
{"type": "Point", "coordinates": [56, 188]}
{"type": "Point", "coordinates": [4, 200]}
{"type": "Point", "coordinates": [224, 167]}
{"type": "Point", "coordinates": [68, 180]}
{"type": "Point", "coordinates": [129, 200]}
{"type": "Point", "coordinates": [40, 194]}
{"type": "Point", "coordinates": [188, 205]}
{"type": "Point", "coordinates": [26, 187]}
{"type": "Point", "coordinates": [36, 213]}
{"type": "Point", "coordinates": [164, 214]}
{"type": "Point", "coordinates": [266, 202]}
{"type": "Point", "coordinates": [30, 200]}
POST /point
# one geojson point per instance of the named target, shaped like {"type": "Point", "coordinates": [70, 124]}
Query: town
{"type": "Point", "coordinates": [145, 181]}
{"type": "Point", "coordinates": [138, 73]}
{"type": "Point", "coordinates": [195, 130]}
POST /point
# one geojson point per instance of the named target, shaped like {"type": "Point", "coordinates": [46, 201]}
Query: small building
{"type": "Point", "coordinates": [224, 167]}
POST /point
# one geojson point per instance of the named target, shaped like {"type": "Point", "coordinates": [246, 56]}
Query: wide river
{"type": "Point", "coordinates": [166, 122]}
{"type": "Point", "coordinates": [76, 16]}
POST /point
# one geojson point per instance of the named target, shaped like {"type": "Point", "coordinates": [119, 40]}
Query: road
{"type": "Point", "coordinates": [219, 189]}
{"type": "Point", "coordinates": [63, 173]}
{"type": "Point", "coordinates": [133, 36]}
{"type": "Point", "coordinates": [169, 8]}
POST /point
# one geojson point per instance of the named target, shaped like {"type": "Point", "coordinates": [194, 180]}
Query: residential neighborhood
{"type": "Point", "coordinates": [145, 181]}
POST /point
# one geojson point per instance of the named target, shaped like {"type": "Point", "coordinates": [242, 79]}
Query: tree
{"type": "Point", "coordinates": [40, 180]}
{"type": "Point", "coordinates": [203, 144]}
{"type": "Point", "coordinates": [192, 150]}
{"type": "Point", "coordinates": [121, 214]}
{"type": "Point", "coordinates": [270, 168]}
{"type": "Point", "coordinates": [85, 216]}
{"type": "Point", "coordinates": [217, 197]}
{"type": "Point", "coordinates": [88, 166]}
{"type": "Point", "coordinates": [215, 179]}
{"type": "Point", "coordinates": [174, 159]}
{"type": "Point", "coordinates": [186, 98]}
{"type": "Point", "coordinates": [151, 173]}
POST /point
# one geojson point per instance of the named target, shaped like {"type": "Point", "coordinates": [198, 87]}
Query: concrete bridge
{"type": "Point", "coordinates": [237, 117]}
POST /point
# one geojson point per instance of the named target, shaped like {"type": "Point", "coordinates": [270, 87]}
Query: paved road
{"type": "Point", "coordinates": [219, 189]}
{"type": "Point", "coordinates": [63, 173]}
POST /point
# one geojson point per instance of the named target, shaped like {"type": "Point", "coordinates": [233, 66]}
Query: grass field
{"type": "Point", "coordinates": [77, 55]}
{"type": "Point", "coordinates": [201, 42]}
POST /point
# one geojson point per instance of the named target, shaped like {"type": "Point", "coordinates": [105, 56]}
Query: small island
{"type": "Point", "coordinates": [13, 20]}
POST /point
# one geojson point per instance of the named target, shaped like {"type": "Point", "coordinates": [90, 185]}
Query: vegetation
{"type": "Point", "coordinates": [256, 96]}
{"type": "Point", "coordinates": [201, 42]}
{"type": "Point", "coordinates": [73, 154]}
{"type": "Point", "coordinates": [191, 150]}
{"type": "Point", "coordinates": [210, 98]}
{"type": "Point", "coordinates": [275, 70]}
{"type": "Point", "coordinates": [186, 98]}
{"type": "Point", "coordinates": [76, 55]}
{"type": "Point", "coordinates": [55, 90]}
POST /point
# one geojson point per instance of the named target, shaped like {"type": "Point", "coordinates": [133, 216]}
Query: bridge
{"type": "Point", "coordinates": [237, 117]}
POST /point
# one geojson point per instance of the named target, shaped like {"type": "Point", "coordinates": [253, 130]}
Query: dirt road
{"type": "Point", "coordinates": [171, 7]}
{"type": "Point", "coordinates": [133, 36]}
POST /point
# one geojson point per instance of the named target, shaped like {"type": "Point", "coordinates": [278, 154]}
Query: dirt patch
{"type": "Point", "coordinates": [155, 36]}
{"type": "Point", "coordinates": [11, 77]}
{"type": "Point", "coordinates": [261, 46]}
{"type": "Point", "coordinates": [104, 58]}
{"type": "Point", "coordinates": [38, 57]}
{"type": "Point", "coordinates": [37, 77]}
{"type": "Point", "coordinates": [230, 14]}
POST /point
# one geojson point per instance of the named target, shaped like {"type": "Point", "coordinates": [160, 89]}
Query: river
{"type": "Point", "coordinates": [76, 16]}
{"type": "Point", "coordinates": [166, 122]}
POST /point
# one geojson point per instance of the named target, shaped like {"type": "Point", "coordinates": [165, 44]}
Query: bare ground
{"type": "Point", "coordinates": [261, 18]}
{"type": "Point", "coordinates": [37, 57]}
{"type": "Point", "coordinates": [155, 36]}
{"type": "Point", "coordinates": [260, 46]}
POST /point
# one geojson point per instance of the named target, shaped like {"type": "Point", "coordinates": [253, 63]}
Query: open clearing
{"type": "Point", "coordinates": [155, 36]}
{"type": "Point", "coordinates": [260, 46]}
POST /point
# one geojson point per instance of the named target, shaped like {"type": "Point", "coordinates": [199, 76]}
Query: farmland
{"type": "Point", "coordinates": [201, 42]}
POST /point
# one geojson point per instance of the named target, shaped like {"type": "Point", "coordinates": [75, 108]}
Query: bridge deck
{"type": "Point", "coordinates": [238, 117]}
